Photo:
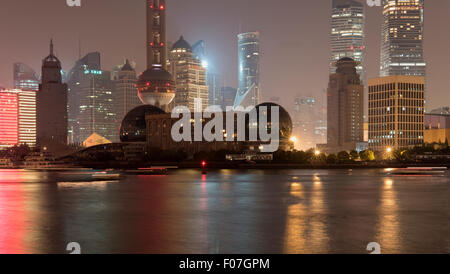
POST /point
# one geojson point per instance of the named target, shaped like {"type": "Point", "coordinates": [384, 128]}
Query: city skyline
{"type": "Point", "coordinates": [284, 56]}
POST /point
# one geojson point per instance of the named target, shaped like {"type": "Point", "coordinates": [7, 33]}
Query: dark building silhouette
{"type": "Point", "coordinates": [345, 107]}
{"type": "Point", "coordinates": [51, 104]}
{"type": "Point", "coordinates": [25, 78]}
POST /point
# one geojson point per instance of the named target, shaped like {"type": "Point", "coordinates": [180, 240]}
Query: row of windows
{"type": "Point", "coordinates": [400, 86]}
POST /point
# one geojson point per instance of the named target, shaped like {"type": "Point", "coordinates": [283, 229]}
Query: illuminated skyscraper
{"type": "Point", "coordinates": [25, 78]}
{"type": "Point", "coordinates": [189, 76]}
{"type": "Point", "coordinates": [155, 85]}
{"type": "Point", "coordinates": [91, 102]}
{"type": "Point", "coordinates": [402, 38]}
{"type": "Point", "coordinates": [347, 33]}
{"type": "Point", "coordinates": [396, 112]}
{"type": "Point", "coordinates": [125, 96]}
{"type": "Point", "coordinates": [17, 117]}
{"type": "Point", "coordinates": [249, 88]}
{"type": "Point", "coordinates": [51, 104]}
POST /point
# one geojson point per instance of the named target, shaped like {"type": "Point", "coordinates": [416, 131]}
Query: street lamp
{"type": "Point", "coordinates": [317, 152]}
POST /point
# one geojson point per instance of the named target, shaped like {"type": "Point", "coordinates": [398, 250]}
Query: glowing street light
{"type": "Point", "coordinates": [317, 152]}
{"type": "Point", "coordinates": [389, 150]}
{"type": "Point", "coordinates": [293, 139]}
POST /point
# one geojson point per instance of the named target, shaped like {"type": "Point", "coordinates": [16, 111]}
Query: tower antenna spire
{"type": "Point", "coordinates": [51, 46]}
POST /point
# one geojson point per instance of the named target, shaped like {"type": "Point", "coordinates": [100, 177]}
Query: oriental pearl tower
{"type": "Point", "coordinates": [155, 85]}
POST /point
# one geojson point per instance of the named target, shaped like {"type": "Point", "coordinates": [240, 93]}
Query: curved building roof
{"type": "Point", "coordinates": [155, 74]}
{"type": "Point", "coordinates": [134, 127]}
{"type": "Point", "coordinates": [285, 121]}
{"type": "Point", "coordinates": [182, 44]}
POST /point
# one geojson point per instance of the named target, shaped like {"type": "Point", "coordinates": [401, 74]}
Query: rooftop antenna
{"type": "Point", "coordinates": [51, 46]}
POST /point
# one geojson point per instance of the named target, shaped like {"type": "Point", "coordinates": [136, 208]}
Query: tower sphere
{"type": "Point", "coordinates": [156, 87]}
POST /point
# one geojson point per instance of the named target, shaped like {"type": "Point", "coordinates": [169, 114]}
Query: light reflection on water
{"type": "Point", "coordinates": [227, 211]}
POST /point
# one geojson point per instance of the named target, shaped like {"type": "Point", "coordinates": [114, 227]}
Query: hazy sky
{"type": "Point", "coordinates": [294, 38]}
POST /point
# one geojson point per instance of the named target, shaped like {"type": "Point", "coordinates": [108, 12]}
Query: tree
{"type": "Point", "coordinates": [367, 155]}
{"type": "Point", "coordinates": [343, 156]}
{"type": "Point", "coordinates": [354, 155]}
{"type": "Point", "coordinates": [402, 155]}
{"type": "Point", "coordinates": [332, 159]}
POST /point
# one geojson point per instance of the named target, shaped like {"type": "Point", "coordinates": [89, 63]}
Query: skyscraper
{"type": "Point", "coordinates": [125, 96]}
{"type": "Point", "coordinates": [347, 33]}
{"type": "Point", "coordinates": [308, 121]}
{"type": "Point", "coordinates": [345, 107]}
{"type": "Point", "coordinates": [25, 77]}
{"type": "Point", "coordinates": [396, 111]}
{"type": "Point", "coordinates": [18, 117]}
{"type": "Point", "coordinates": [189, 75]}
{"type": "Point", "coordinates": [51, 109]}
{"type": "Point", "coordinates": [226, 97]}
{"type": "Point", "coordinates": [249, 87]}
{"type": "Point", "coordinates": [91, 102]}
{"type": "Point", "coordinates": [155, 85]}
{"type": "Point", "coordinates": [402, 38]}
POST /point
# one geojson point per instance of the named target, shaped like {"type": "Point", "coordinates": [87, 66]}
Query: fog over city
{"type": "Point", "coordinates": [294, 38]}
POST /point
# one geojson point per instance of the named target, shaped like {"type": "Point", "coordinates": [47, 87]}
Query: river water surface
{"type": "Point", "coordinates": [225, 211]}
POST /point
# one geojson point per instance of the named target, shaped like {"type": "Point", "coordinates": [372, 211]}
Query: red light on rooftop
{"type": "Point", "coordinates": [161, 7]}
{"type": "Point", "coordinates": [162, 44]}
{"type": "Point", "coordinates": [203, 163]}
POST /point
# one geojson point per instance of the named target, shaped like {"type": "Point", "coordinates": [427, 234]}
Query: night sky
{"type": "Point", "coordinates": [294, 38]}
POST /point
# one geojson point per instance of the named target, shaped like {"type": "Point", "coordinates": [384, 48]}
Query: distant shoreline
{"type": "Point", "coordinates": [241, 165]}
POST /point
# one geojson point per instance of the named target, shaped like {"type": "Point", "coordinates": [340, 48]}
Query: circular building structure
{"type": "Point", "coordinates": [156, 87]}
{"type": "Point", "coordinates": [284, 121]}
{"type": "Point", "coordinates": [133, 127]}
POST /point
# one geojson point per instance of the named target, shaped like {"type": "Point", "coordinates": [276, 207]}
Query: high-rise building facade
{"type": "Point", "coordinates": [347, 33]}
{"type": "Point", "coordinates": [226, 97]}
{"type": "Point", "coordinates": [25, 77]}
{"type": "Point", "coordinates": [396, 112]}
{"type": "Point", "coordinates": [125, 96]}
{"type": "Point", "coordinates": [51, 109]}
{"type": "Point", "coordinates": [91, 101]}
{"type": "Point", "coordinates": [249, 93]}
{"type": "Point", "coordinates": [402, 38]}
{"type": "Point", "coordinates": [18, 117]}
{"type": "Point", "coordinates": [189, 76]}
{"type": "Point", "coordinates": [308, 122]}
{"type": "Point", "coordinates": [345, 112]}
{"type": "Point", "coordinates": [215, 84]}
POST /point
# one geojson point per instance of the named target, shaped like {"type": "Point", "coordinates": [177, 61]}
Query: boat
{"type": "Point", "coordinates": [417, 171]}
{"type": "Point", "coordinates": [43, 161]}
{"type": "Point", "coordinates": [105, 176]}
{"type": "Point", "coordinates": [6, 163]}
{"type": "Point", "coordinates": [148, 171]}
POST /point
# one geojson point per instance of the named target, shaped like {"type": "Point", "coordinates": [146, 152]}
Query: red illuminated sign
{"type": "Point", "coordinates": [9, 118]}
